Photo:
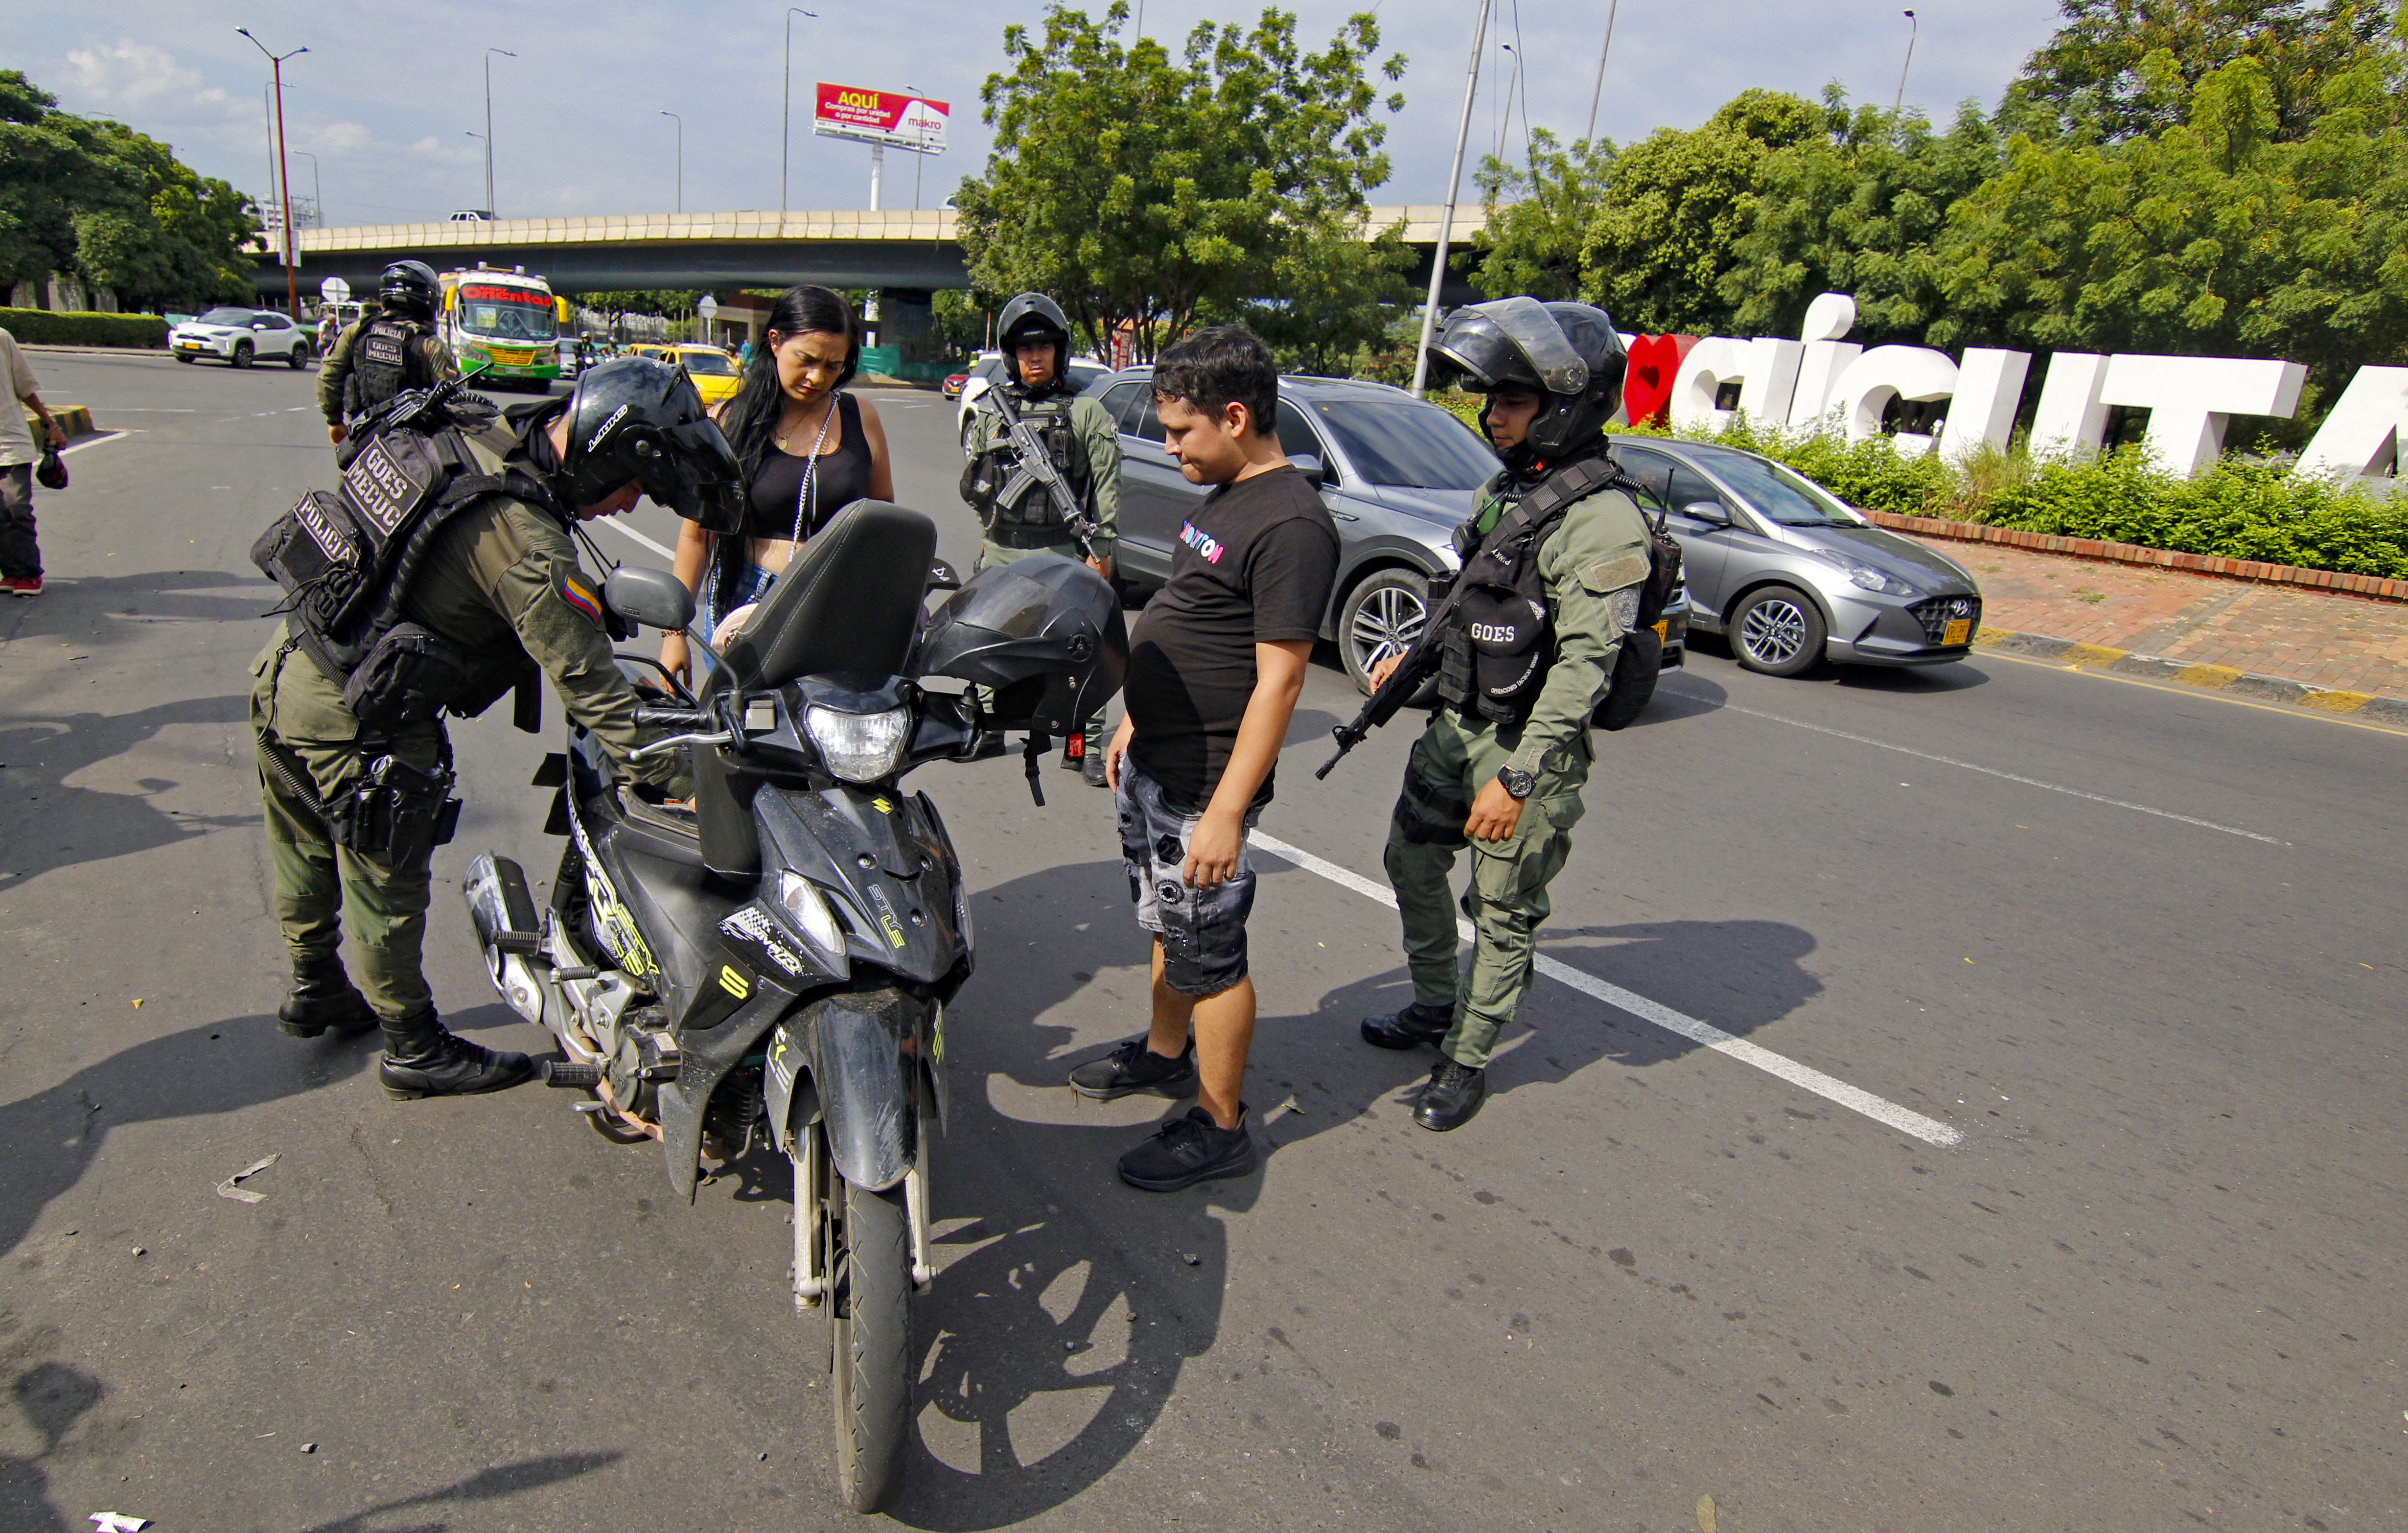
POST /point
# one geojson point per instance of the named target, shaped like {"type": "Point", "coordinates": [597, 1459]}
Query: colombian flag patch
{"type": "Point", "coordinates": [575, 593]}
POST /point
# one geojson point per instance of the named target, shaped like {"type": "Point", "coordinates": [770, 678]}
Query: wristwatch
{"type": "Point", "coordinates": [1516, 784]}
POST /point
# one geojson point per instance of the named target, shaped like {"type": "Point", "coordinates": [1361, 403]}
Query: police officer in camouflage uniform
{"type": "Point", "coordinates": [498, 580]}
{"type": "Point", "coordinates": [391, 347]}
{"type": "Point", "coordinates": [1555, 556]}
{"type": "Point", "coordinates": [1085, 446]}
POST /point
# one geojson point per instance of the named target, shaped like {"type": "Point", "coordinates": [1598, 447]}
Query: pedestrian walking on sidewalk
{"type": "Point", "coordinates": [1553, 560]}
{"type": "Point", "coordinates": [1215, 667]}
{"type": "Point", "coordinates": [21, 556]}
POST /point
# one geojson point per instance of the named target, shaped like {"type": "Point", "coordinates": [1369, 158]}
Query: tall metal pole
{"type": "Point", "coordinates": [1911, 27]}
{"type": "Point", "coordinates": [786, 134]}
{"type": "Point", "coordinates": [681, 159]}
{"type": "Point", "coordinates": [1598, 94]}
{"type": "Point", "coordinates": [317, 192]}
{"type": "Point", "coordinates": [490, 211]}
{"type": "Point", "coordinates": [876, 173]}
{"type": "Point", "coordinates": [1446, 219]}
{"type": "Point", "coordinates": [283, 179]}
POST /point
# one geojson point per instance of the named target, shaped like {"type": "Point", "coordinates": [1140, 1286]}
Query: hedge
{"type": "Point", "coordinates": [2235, 511]}
{"type": "Point", "coordinates": [41, 327]}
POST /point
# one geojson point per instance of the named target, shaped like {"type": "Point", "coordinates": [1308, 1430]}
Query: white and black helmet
{"type": "Point", "coordinates": [1568, 353]}
{"type": "Point", "coordinates": [636, 418]}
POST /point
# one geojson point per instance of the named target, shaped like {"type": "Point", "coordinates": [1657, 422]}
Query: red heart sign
{"type": "Point", "coordinates": [1647, 386]}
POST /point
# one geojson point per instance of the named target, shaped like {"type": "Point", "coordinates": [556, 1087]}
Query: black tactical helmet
{"type": "Point", "coordinates": [1033, 316]}
{"type": "Point", "coordinates": [1568, 353]}
{"type": "Point", "coordinates": [636, 418]}
{"type": "Point", "coordinates": [409, 289]}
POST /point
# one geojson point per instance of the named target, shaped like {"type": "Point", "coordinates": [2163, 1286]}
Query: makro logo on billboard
{"type": "Point", "coordinates": [1821, 380]}
{"type": "Point", "coordinates": [880, 116]}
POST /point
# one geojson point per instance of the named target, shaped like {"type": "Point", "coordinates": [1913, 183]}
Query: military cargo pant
{"type": "Point", "coordinates": [298, 712]}
{"type": "Point", "coordinates": [1507, 901]}
{"type": "Point", "coordinates": [992, 552]}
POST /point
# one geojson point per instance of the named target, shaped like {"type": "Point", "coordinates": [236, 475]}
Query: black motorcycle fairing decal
{"type": "Point", "coordinates": [890, 878]}
{"type": "Point", "coordinates": [708, 1056]}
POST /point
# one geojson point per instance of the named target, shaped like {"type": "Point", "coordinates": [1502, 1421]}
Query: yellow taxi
{"type": "Point", "coordinates": [713, 371]}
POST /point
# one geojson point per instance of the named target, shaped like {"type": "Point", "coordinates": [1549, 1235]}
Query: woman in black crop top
{"type": "Point", "coordinates": [808, 451]}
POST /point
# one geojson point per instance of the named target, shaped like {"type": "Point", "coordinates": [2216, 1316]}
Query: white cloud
{"type": "Point", "coordinates": [131, 76]}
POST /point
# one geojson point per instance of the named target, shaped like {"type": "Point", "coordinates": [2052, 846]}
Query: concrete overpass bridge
{"type": "Point", "coordinates": [916, 252]}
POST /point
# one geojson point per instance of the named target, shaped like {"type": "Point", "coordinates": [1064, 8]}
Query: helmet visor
{"type": "Point", "coordinates": [691, 470]}
{"type": "Point", "coordinates": [1511, 340]}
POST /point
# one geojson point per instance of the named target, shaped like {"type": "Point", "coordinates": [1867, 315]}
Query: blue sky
{"type": "Point", "coordinates": [387, 95]}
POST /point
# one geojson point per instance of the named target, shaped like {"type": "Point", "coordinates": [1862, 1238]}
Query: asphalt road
{"type": "Point", "coordinates": [2126, 963]}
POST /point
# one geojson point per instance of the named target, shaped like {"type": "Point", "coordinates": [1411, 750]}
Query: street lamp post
{"type": "Point", "coordinates": [920, 151]}
{"type": "Point", "coordinates": [1598, 94]}
{"type": "Point", "coordinates": [681, 158]}
{"type": "Point", "coordinates": [1446, 217]}
{"type": "Point", "coordinates": [1912, 26]}
{"type": "Point", "coordinates": [490, 211]}
{"type": "Point", "coordinates": [481, 140]}
{"type": "Point", "coordinates": [786, 134]}
{"type": "Point", "coordinates": [283, 177]}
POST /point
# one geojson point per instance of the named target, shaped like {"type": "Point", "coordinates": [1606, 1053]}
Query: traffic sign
{"type": "Point", "coordinates": [335, 290]}
{"type": "Point", "coordinates": [709, 308]}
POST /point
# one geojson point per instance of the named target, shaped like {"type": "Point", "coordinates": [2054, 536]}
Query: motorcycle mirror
{"type": "Point", "coordinates": [943, 577]}
{"type": "Point", "coordinates": [653, 597]}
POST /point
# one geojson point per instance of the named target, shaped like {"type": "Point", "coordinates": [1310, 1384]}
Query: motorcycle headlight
{"type": "Point", "coordinates": [812, 917]}
{"type": "Point", "coordinates": [859, 746]}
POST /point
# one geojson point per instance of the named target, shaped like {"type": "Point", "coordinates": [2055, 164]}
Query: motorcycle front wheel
{"type": "Point", "coordinates": [872, 1337]}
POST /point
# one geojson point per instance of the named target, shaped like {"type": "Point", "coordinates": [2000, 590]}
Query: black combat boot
{"type": "Point", "coordinates": [1414, 1026]}
{"type": "Point", "coordinates": [1092, 768]}
{"type": "Point", "coordinates": [1453, 1096]}
{"type": "Point", "coordinates": [422, 1058]}
{"type": "Point", "coordinates": [323, 996]}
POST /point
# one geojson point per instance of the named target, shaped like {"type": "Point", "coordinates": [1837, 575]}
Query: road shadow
{"type": "Point", "coordinates": [1069, 1304]}
{"type": "Point", "coordinates": [52, 824]}
{"type": "Point", "coordinates": [93, 611]}
{"type": "Point", "coordinates": [52, 1136]}
{"type": "Point", "coordinates": [494, 1485]}
{"type": "Point", "coordinates": [52, 1397]}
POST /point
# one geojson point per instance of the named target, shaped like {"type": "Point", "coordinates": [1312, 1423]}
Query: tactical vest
{"type": "Point", "coordinates": [989, 474]}
{"type": "Point", "coordinates": [346, 559]}
{"type": "Point", "coordinates": [386, 359]}
{"type": "Point", "coordinates": [1500, 644]}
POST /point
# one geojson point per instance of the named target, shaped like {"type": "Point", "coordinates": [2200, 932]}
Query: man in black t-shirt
{"type": "Point", "coordinates": [1215, 667]}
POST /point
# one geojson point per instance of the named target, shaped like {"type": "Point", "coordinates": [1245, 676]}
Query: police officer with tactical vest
{"type": "Point", "coordinates": [389, 348]}
{"type": "Point", "coordinates": [440, 576]}
{"type": "Point", "coordinates": [1021, 504]}
{"type": "Point", "coordinates": [1555, 560]}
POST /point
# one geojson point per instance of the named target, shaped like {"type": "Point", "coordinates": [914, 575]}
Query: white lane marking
{"type": "Point", "coordinates": [618, 526]}
{"type": "Point", "coordinates": [1706, 1035]}
{"type": "Point", "coordinates": [104, 436]}
{"type": "Point", "coordinates": [1986, 772]}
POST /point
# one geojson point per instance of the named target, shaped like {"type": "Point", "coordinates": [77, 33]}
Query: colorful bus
{"type": "Point", "coordinates": [504, 321]}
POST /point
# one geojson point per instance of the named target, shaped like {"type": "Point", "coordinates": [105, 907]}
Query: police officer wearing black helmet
{"type": "Point", "coordinates": [391, 347]}
{"type": "Point", "coordinates": [440, 576]}
{"type": "Point", "coordinates": [1017, 514]}
{"type": "Point", "coordinates": [1553, 560]}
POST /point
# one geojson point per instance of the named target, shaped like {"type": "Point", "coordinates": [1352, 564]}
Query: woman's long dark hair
{"type": "Point", "coordinates": [750, 421]}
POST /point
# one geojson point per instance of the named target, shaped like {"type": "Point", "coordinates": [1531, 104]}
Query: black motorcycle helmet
{"type": "Point", "coordinates": [1033, 316]}
{"type": "Point", "coordinates": [636, 418]}
{"type": "Point", "coordinates": [1568, 353]}
{"type": "Point", "coordinates": [409, 290]}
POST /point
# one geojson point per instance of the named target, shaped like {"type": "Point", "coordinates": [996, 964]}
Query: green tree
{"type": "Point", "coordinates": [2088, 82]}
{"type": "Point", "coordinates": [1854, 210]}
{"type": "Point", "coordinates": [1337, 294]}
{"type": "Point", "coordinates": [1538, 215]}
{"type": "Point", "coordinates": [2216, 236]}
{"type": "Point", "coordinates": [1142, 191]}
{"type": "Point", "coordinates": [1676, 206]}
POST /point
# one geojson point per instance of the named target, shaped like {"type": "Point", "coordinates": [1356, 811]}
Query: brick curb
{"type": "Point", "coordinates": [2323, 580]}
{"type": "Point", "coordinates": [2264, 689]}
{"type": "Point", "coordinates": [75, 419]}
{"type": "Point", "coordinates": [95, 351]}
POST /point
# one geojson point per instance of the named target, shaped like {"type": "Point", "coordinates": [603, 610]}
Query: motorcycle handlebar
{"type": "Point", "coordinates": [672, 717]}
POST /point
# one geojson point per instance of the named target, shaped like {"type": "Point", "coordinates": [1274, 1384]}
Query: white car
{"type": "Point", "coordinates": [243, 335]}
{"type": "Point", "coordinates": [990, 366]}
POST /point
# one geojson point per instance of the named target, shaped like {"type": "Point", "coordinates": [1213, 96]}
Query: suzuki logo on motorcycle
{"type": "Point", "coordinates": [733, 982]}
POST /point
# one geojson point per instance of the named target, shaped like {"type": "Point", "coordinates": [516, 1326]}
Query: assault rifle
{"type": "Point", "coordinates": [1421, 657]}
{"type": "Point", "coordinates": [1035, 466]}
{"type": "Point", "coordinates": [426, 410]}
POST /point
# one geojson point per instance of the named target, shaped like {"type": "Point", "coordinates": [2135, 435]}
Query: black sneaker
{"type": "Point", "coordinates": [448, 1065]}
{"type": "Point", "coordinates": [1131, 1067]}
{"type": "Point", "coordinates": [1410, 1028]}
{"type": "Point", "coordinates": [1188, 1150]}
{"type": "Point", "coordinates": [1453, 1096]}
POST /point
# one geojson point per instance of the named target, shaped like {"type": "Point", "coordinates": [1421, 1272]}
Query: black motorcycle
{"type": "Point", "coordinates": [774, 956]}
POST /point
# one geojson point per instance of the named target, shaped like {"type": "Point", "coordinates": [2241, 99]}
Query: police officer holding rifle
{"type": "Point", "coordinates": [1044, 474]}
{"type": "Point", "coordinates": [437, 578]}
{"type": "Point", "coordinates": [390, 350]}
{"type": "Point", "coordinates": [1561, 582]}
